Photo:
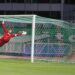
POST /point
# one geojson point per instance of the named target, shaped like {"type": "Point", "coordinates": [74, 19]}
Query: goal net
{"type": "Point", "coordinates": [46, 39]}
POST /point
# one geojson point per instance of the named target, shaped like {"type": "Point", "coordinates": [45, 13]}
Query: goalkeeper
{"type": "Point", "coordinates": [8, 35]}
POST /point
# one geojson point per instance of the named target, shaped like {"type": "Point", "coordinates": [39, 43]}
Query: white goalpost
{"type": "Point", "coordinates": [33, 37]}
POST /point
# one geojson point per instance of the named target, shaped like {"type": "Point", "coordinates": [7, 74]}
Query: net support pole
{"type": "Point", "coordinates": [33, 38]}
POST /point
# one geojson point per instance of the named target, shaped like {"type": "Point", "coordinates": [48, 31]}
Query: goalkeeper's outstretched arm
{"type": "Point", "coordinates": [4, 27]}
{"type": "Point", "coordinates": [20, 34]}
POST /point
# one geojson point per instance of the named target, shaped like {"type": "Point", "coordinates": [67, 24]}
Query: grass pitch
{"type": "Point", "coordinates": [20, 67]}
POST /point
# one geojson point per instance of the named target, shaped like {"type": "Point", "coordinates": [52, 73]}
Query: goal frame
{"type": "Point", "coordinates": [33, 31]}
{"type": "Point", "coordinates": [33, 20]}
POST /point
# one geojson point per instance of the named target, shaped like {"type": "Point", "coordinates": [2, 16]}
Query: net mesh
{"type": "Point", "coordinates": [53, 38]}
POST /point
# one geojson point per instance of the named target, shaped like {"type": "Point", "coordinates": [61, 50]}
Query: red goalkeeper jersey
{"type": "Point", "coordinates": [7, 36]}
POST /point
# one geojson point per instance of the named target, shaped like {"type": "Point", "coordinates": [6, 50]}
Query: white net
{"type": "Point", "coordinates": [46, 39]}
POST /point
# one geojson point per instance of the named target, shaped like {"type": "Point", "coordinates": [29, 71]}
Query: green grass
{"type": "Point", "coordinates": [20, 67]}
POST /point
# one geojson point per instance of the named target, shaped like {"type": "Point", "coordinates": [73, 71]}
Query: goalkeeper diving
{"type": "Point", "coordinates": [8, 35]}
